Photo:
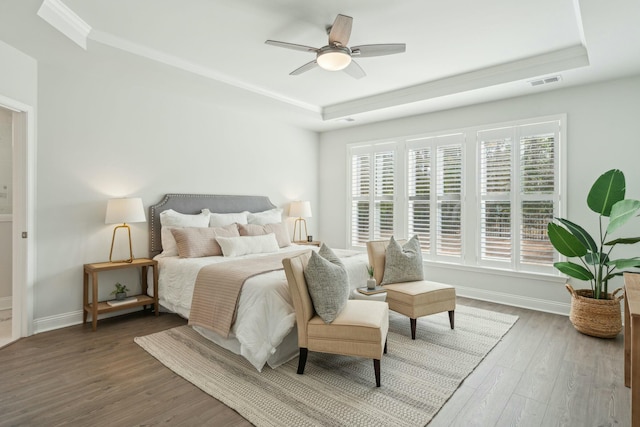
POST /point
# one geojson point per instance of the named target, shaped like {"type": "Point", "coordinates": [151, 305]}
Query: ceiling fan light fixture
{"type": "Point", "coordinates": [334, 58]}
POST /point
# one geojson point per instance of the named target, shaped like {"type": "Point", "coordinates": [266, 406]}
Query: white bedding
{"type": "Point", "coordinates": [264, 328]}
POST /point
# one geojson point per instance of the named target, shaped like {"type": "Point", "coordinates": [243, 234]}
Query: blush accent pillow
{"type": "Point", "coordinates": [266, 217]}
{"type": "Point", "coordinates": [245, 245]}
{"type": "Point", "coordinates": [328, 283]}
{"type": "Point", "coordinates": [280, 229]}
{"type": "Point", "coordinates": [196, 242]}
{"type": "Point", "coordinates": [403, 263]}
{"type": "Point", "coordinates": [222, 219]}
{"type": "Point", "coordinates": [170, 219]}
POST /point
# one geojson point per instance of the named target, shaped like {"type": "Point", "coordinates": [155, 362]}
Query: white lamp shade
{"type": "Point", "coordinates": [300, 209]}
{"type": "Point", "coordinates": [125, 210]}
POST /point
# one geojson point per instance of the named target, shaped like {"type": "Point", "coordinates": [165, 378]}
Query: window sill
{"type": "Point", "coordinates": [497, 271]}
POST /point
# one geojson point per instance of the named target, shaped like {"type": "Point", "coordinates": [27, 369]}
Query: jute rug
{"type": "Point", "coordinates": [418, 377]}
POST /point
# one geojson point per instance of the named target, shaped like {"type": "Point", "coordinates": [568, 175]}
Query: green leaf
{"type": "Point", "coordinates": [582, 235]}
{"type": "Point", "coordinates": [608, 189]}
{"type": "Point", "coordinates": [574, 270]}
{"type": "Point", "coordinates": [565, 242]}
{"type": "Point", "coordinates": [622, 212]}
{"type": "Point", "coordinates": [623, 241]}
{"type": "Point", "coordinates": [625, 263]}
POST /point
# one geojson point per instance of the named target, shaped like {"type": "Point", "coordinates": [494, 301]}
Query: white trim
{"type": "Point", "coordinates": [62, 320]}
{"type": "Point", "coordinates": [514, 300]}
{"type": "Point", "coordinates": [6, 217]}
{"type": "Point", "coordinates": [63, 19]}
{"type": "Point", "coordinates": [552, 62]}
{"type": "Point", "coordinates": [5, 303]}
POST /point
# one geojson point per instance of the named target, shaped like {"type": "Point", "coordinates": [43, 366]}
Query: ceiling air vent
{"type": "Point", "coordinates": [546, 80]}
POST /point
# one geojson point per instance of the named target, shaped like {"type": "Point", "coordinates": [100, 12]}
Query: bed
{"type": "Point", "coordinates": [263, 330]}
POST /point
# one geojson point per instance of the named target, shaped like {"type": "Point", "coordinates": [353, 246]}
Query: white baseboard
{"type": "Point", "coordinates": [514, 300]}
{"type": "Point", "coordinates": [63, 320]}
{"type": "Point", "coordinates": [49, 323]}
{"type": "Point", "coordinates": [6, 303]}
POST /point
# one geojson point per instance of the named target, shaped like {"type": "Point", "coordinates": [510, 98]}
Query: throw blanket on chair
{"type": "Point", "coordinates": [217, 290]}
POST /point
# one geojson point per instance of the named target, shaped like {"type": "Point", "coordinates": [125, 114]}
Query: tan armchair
{"type": "Point", "coordinates": [359, 330]}
{"type": "Point", "coordinates": [413, 299]}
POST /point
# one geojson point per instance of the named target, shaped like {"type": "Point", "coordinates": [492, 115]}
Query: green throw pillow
{"type": "Point", "coordinates": [328, 283]}
{"type": "Point", "coordinates": [403, 263]}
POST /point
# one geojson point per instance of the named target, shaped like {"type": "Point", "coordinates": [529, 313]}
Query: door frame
{"type": "Point", "coordinates": [23, 249]}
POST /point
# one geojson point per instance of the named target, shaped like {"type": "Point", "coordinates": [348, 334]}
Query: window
{"type": "Point", "coordinates": [434, 185]}
{"type": "Point", "coordinates": [518, 194]}
{"type": "Point", "coordinates": [478, 196]}
{"type": "Point", "coordinates": [372, 194]}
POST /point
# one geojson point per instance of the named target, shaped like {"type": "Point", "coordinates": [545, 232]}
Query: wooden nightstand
{"type": "Point", "coordinates": [304, 242]}
{"type": "Point", "coordinates": [96, 307]}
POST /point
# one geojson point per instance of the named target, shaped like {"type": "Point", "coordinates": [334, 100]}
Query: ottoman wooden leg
{"type": "Point", "coordinates": [376, 370]}
{"type": "Point", "coordinates": [413, 328]}
{"type": "Point", "coordinates": [451, 318]}
{"type": "Point", "coordinates": [303, 360]}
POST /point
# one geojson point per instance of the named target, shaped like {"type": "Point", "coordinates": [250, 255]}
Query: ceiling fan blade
{"type": "Point", "coordinates": [341, 30]}
{"type": "Point", "coordinates": [355, 70]}
{"type": "Point", "coordinates": [306, 67]}
{"type": "Point", "coordinates": [366, 50]}
{"type": "Point", "coordinates": [292, 46]}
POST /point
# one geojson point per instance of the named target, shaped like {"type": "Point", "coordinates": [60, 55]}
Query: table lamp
{"type": "Point", "coordinates": [124, 210]}
{"type": "Point", "coordinates": [301, 210]}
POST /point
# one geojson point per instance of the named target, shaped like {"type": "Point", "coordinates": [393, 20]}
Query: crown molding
{"type": "Point", "coordinates": [551, 62]}
{"type": "Point", "coordinates": [63, 19]}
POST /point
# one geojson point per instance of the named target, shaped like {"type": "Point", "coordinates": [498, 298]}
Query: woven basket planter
{"type": "Point", "coordinates": [595, 317]}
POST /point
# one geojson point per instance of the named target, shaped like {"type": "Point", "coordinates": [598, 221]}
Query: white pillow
{"type": "Point", "coordinates": [224, 219]}
{"type": "Point", "coordinates": [245, 245]}
{"type": "Point", "coordinates": [267, 217]}
{"type": "Point", "coordinates": [170, 219]}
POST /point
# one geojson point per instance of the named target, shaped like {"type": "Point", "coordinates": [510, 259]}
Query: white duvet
{"type": "Point", "coordinates": [264, 328]}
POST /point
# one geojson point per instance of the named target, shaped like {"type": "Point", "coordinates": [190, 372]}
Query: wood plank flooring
{"type": "Point", "coordinates": [543, 373]}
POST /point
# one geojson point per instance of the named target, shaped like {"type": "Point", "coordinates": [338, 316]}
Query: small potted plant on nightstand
{"type": "Point", "coordinates": [120, 292]}
{"type": "Point", "coordinates": [371, 282]}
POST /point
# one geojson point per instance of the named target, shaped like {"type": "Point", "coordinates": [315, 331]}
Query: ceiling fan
{"type": "Point", "coordinates": [337, 55]}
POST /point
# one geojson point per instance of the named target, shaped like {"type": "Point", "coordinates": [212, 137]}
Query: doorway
{"type": "Point", "coordinates": [17, 207]}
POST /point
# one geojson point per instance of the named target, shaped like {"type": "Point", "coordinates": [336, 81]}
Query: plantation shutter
{"type": "Point", "coordinates": [419, 189]}
{"type": "Point", "coordinates": [384, 190]}
{"type": "Point", "coordinates": [495, 194]}
{"type": "Point", "coordinates": [449, 167]}
{"type": "Point", "coordinates": [538, 190]}
{"type": "Point", "coordinates": [360, 196]}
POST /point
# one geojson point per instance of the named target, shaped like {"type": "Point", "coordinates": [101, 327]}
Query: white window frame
{"type": "Point", "coordinates": [471, 198]}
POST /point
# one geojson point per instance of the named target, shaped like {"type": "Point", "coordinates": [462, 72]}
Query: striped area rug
{"type": "Point", "coordinates": [418, 377]}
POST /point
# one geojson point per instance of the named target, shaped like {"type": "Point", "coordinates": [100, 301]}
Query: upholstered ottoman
{"type": "Point", "coordinates": [422, 298]}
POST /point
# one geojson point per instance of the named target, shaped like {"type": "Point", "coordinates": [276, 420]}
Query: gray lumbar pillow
{"type": "Point", "coordinates": [328, 283]}
{"type": "Point", "coordinates": [403, 263]}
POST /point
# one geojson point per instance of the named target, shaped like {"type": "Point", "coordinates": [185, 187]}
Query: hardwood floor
{"type": "Point", "coordinates": [543, 373]}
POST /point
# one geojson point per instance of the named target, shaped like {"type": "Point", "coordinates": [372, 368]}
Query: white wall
{"type": "Point", "coordinates": [602, 133]}
{"type": "Point", "coordinates": [114, 125]}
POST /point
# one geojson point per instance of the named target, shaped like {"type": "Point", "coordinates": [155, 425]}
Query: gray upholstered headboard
{"type": "Point", "coordinates": [194, 203]}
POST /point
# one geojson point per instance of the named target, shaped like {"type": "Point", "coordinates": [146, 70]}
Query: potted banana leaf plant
{"type": "Point", "coordinates": [595, 311]}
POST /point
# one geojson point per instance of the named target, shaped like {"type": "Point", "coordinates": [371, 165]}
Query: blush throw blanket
{"type": "Point", "coordinates": [217, 290]}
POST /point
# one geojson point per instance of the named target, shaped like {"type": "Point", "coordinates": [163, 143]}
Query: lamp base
{"type": "Point", "coordinates": [295, 226]}
{"type": "Point", "coordinates": [113, 239]}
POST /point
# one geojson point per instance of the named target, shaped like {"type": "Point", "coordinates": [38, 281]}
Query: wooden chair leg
{"type": "Point", "coordinates": [385, 346]}
{"type": "Point", "coordinates": [413, 328]}
{"type": "Point", "coordinates": [302, 361]}
{"type": "Point", "coordinates": [451, 318]}
{"type": "Point", "coordinates": [376, 369]}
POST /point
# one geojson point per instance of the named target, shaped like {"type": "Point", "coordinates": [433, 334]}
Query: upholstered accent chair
{"type": "Point", "coordinates": [413, 299]}
{"type": "Point", "coordinates": [360, 329]}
